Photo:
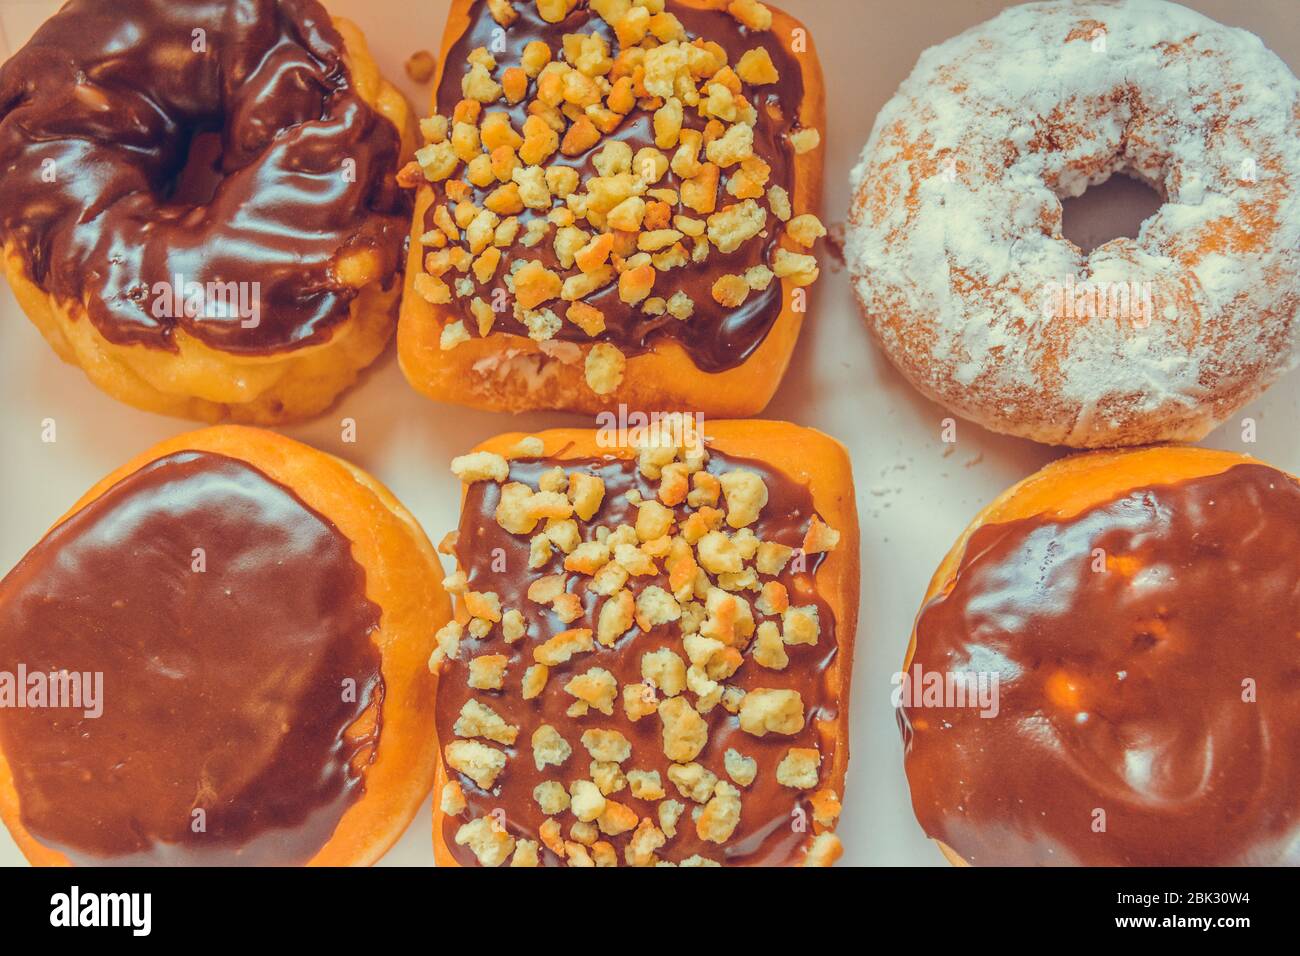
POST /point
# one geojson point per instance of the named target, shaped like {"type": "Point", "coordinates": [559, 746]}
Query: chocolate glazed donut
{"type": "Point", "coordinates": [703, 315]}
{"type": "Point", "coordinates": [210, 187]}
{"type": "Point", "coordinates": [661, 806]}
{"type": "Point", "coordinates": [286, 622]}
{"type": "Point", "coordinates": [1139, 612]}
{"type": "Point", "coordinates": [219, 656]}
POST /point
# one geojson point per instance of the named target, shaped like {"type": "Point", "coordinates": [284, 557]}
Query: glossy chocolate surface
{"type": "Point", "coordinates": [715, 337]}
{"type": "Point", "coordinates": [146, 140]}
{"type": "Point", "coordinates": [1157, 683]}
{"type": "Point", "coordinates": [225, 689]}
{"type": "Point", "coordinates": [766, 834]}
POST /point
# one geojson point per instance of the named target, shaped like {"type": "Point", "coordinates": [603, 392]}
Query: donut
{"type": "Point", "coordinates": [615, 203]}
{"type": "Point", "coordinates": [652, 649]}
{"type": "Point", "coordinates": [201, 207]}
{"type": "Point", "coordinates": [219, 656]}
{"type": "Point", "coordinates": [1123, 627]}
{"type": "Point", "coordinates": [954, 238]}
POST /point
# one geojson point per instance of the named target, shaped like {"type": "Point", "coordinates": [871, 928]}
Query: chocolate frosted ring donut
{"type": "Point", "coordinates": [955, 240]}
{"type": "Point", "coordinates": [200, 201]}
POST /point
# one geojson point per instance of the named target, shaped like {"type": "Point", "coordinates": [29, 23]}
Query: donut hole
{"type": "Point", "coordinates": [195, 180]}
{"type": "Point", "coordinates": [1112, 209]}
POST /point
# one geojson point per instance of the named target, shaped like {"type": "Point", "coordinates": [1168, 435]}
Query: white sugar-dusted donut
{"type": "Point", "coordinates": [955, 240]}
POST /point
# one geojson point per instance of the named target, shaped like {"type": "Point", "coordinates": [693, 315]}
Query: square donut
{"type": "Point", "coordinates": [652, 649]}
{"type": "Point", "coordinates": [615, 203]}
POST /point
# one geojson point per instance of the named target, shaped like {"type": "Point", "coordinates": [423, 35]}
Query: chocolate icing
{"type": "Point", "coordinates": [222, 689]}
{"type": "Point", "coordinates": [765, 835]}
{"type": "Point", "coordinates": [127, 159]}
{"type": "Point", "coordinates": [1122, 690]}
{"type": "Point", "coordinates": [716, 338]}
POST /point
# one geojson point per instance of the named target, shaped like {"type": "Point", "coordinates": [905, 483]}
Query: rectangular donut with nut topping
{"type": "Point", "coordinates": [651, 654]}
{"type": "Point", "coordinates": [616, 203]}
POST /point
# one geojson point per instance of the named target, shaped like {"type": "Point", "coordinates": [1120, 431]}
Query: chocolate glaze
{"type": "Point", "coordinates": [1122, 690]}
{"type": "Point", "coordinates": [223, 690]}
{"type": "Point", "coordinates": [220, 166]}
{"type": "Point", "coordinates": [765, 835]}
{"type": "Point", "coordinates": [716, 338]}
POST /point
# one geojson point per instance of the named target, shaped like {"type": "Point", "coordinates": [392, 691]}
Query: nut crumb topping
{"type": "Point", "coordinates": [666, 628]}
{"type": "Point", "coordinates": [575, 175]}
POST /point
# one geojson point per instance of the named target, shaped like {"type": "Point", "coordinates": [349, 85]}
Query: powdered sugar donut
{"type": "Point", "coordinates": [955, 240]}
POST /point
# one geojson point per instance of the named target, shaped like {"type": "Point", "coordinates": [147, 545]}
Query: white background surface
{"type": "Point", "coordinates": [915, 494]}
